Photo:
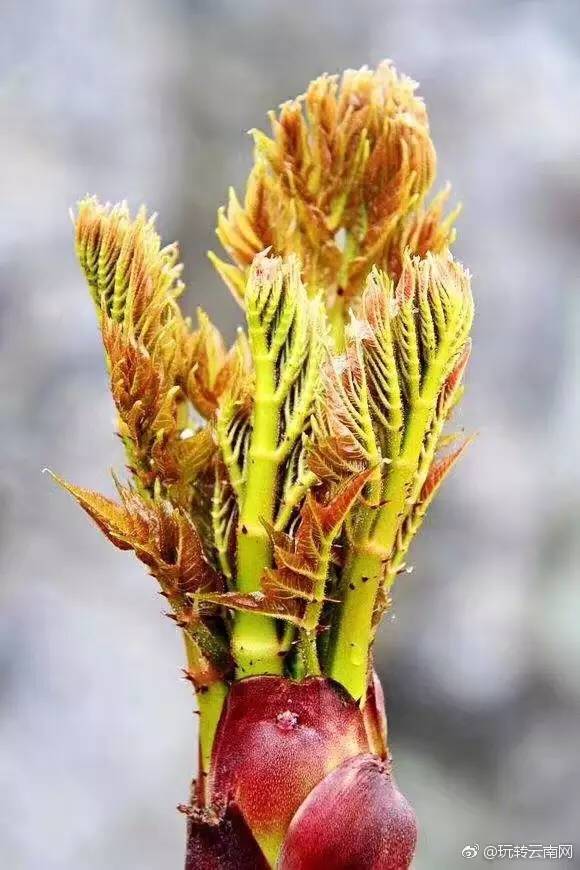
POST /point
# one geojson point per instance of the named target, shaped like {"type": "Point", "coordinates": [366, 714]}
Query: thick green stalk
{"type": "Point", "coordinates": [210, 702]}
{"type": "Point", "coordinates": [255, 644]}
{"type": "Point", "coordinates": [352, 632]}
{"type": "Point", "coordinates": [285, 336]}
{"type": "Point", "coordinates": [307, 664]}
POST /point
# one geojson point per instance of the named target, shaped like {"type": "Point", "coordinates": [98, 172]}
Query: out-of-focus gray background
{"type": "Point", "coordinates": [481, 659]}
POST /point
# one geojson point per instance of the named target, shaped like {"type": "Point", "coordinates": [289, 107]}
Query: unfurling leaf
{"type": "Point", "coordinates": [162, 537]}
{"type": "Point", "coordinates": [303, 559]}
{"type": "Point", "coordinates": [180, 461]}
{"type": "Point", "coordinates": [343, 440]}
{"type": "Point", "coordinates": [166, 540]}
{"type": "Point", "coordinates": [341, 184]}
{"type": "Point", "coordinates": [439, 471]}
{"type": "Point", "coordinates": [422, 231]}
{"type": "Point", "coordinates": [270, 605]}
{"type": "Point", "coordinates": [112, 518]}
{"type": "Point", "coordinates": [224, 516]}
{"type": "Point", "coordinates": [295, 589]}
{"type": "Point", "coordinates": [213, 371]}
{"type": "Point", "coordinates": [412, 340]}
{"type": "Point", "coordinates": [132, 279]}
{"type": "Point", "coordinates": [150, 349]}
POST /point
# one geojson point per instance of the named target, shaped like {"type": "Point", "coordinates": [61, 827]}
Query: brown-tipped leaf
{"type": "Point", "coordinates": [162, 537]}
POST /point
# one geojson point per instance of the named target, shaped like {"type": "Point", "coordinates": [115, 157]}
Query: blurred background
{"type": "Point", "coordinates": [481, 656]}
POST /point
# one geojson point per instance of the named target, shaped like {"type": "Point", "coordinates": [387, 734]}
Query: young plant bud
{"type": "Point", "coordinates": [355, 817]}
{"type": "Point", "coordinates": [276, 741]}
{"type": "Point", "coordinates": [277, 528]}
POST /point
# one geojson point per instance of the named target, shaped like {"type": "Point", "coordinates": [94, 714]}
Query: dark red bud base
{"type": "Point", "coordinates": [303, 781]}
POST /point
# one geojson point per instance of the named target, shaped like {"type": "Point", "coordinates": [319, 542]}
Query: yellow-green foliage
{"type": "Point", "coordinates": [276, 485]}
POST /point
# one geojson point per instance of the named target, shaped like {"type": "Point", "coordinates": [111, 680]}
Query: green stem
{"type": "Point", "coordinates": [308, 664]}
{"type": "Point", "coordinates": [350, 640]}
{"type": "Point", "coordinates": [210, 702]}
{"type": "Point", "coordinates": [255, 644]}
{"type": "Point", "coordinates": [352, 632]}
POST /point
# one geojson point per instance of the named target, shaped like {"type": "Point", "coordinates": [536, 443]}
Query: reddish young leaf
{"type": "Point", "coordinates": [213, 371]}
{"type": "Point", "coordinates": [440, 469]}
{"type": "Point", "coordinates": [353, 155]}
{"type": "Point", "coordinates": [112, 518]}
{"type": "Point", "coordinates": [342, 442]}
{"type": "Point", "coordinates": [162, 537]}
{"type": "Point", "coordinates": [302, 561]}
{"type": "Point", "coordinates": [454, 379]}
